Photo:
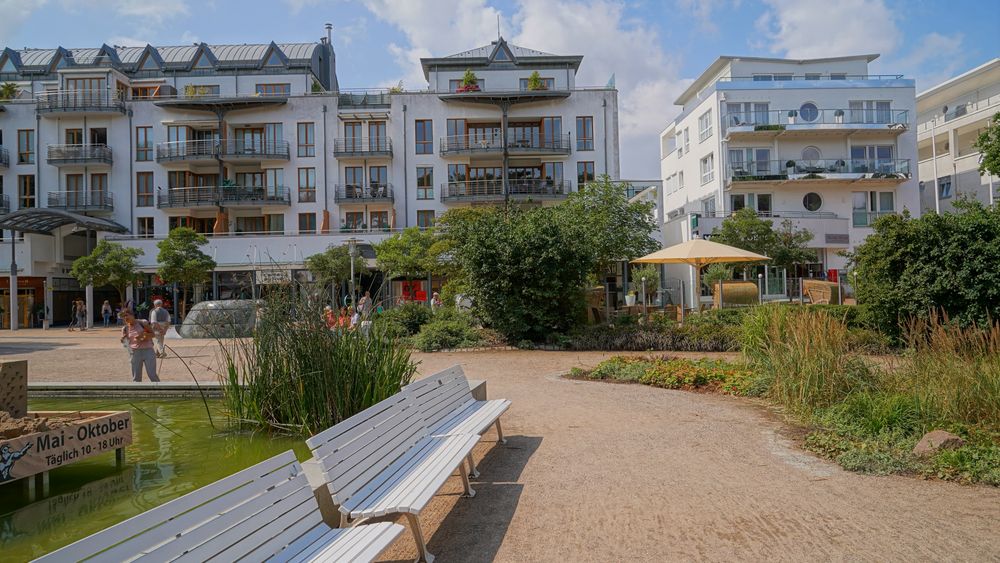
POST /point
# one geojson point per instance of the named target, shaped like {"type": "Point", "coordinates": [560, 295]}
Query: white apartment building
{"type": "Point", "coordinates": [954, 113]}
{"type": "Point", "coordinates": [820, 142]}
{"type": "Point", "coordinates": [257, 147]}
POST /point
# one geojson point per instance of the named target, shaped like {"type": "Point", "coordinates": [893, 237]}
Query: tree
{"type": "Point", "coordinates": [784, 245]}
{"type": "Point", "coordinates": [333, 266]}
{"type": "Point", "coordinates": [406, 254]}
{"type": "Point", "coordinates": [988, 143]}
{"type": "Point", "coordinates": [938, 263]}
{"type": "Point", "coordinates": [612, 227]}
{"type": "Point", "coordinates": [108, 264]}
{"type": "Point", "coordinates": [182, 261]}
{"type": "Point", "coordinates": [8, 91]}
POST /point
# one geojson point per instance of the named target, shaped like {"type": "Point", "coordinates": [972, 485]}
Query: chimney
{"type": "Point", "coordinates": [329, 33]}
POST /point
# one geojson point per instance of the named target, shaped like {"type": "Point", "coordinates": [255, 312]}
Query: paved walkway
{"type": "Point", "coordinates": [603, 472]}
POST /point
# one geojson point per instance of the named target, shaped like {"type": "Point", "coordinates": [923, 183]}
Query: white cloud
{"type": "Point", "coordinates": [14, 13]}
{"type": "Point", "coordinates": [346, 34]}
{"type": "Point", "coordinates": [151, 11]}
{"type": "Point", "coordinates": [704, 10]}
{"type": "Point", "coordinates": [188, 38]}
{"type": "Point", "coordinates": [803, 29]}
{"type": "Point", "coordinates": [296, 6]}
{"type": "Point", "coordinates": [934, 59]}
{"type": "Point", "coordinates": [125, 41]}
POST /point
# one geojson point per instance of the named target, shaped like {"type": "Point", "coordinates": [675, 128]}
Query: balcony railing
{"type": "Point", "coordinates": [79, 154]}
{"type": "Point", "coordinates": [98, 101]}
{"type": "Point", "coordinates": [4, 204]}
{"type": "Point", "coordinates": [368, 193]}
{"type": "Point", "coordinates": [491, 190]}
{"type": "Point", "coordinates": [775, 214]}
{"type": "Point", "coordinates": [777, 119]}
{"type": "Point", "coordinates": [767, 170]}
{"type": "Point", "coordinates": [263, 150]}
{"type": "Point", "coordinates": [205, 196]}
{"type": "Point", "coordinates": [470, 144]}
{"type": "Point", "coordinates": [809, 77]}
{"type": "Point", "coordinates": [362, 146]}
{"type": "Point", "coordinates": [195, 196]}
{"type": "Point", "coordinates": [364, 98]}
{"type": "Point", "coordinates": [4, 158]}
{"type": "Point", "coordinates": [83, 200]}
{"type": "Point", "coordinates": [186, 150]}
{"type": "Point", "coordinates": [866, 218]}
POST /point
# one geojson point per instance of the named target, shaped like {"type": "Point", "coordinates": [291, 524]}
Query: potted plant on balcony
{"type": "Point", "coordinates": [792, 114]}
{"type": "Point", "coordinates": [8, 92]}
{"type": "Point", "coordinates": [535, 82]}
{"type": "Point", "coordinates": [790, 167]}
{"type": "Point", "coordinates": [470, 82]}
{"type": "Point", "coordinates": [838, 116]}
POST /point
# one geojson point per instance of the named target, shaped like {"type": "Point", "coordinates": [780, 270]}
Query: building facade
{"type": "Point", "coordinates": [257, 147]}
{"type": "Point", "coordinates": [819, 142]}
{"type": "Point", "coordinates": [954, 113]}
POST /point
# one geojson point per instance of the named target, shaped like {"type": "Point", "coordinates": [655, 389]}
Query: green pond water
{"type": "Point", "coordinates": [174, 451]}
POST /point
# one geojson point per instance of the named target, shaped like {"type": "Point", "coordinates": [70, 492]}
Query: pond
{"type": "Point", "coordinates": [174, 451]}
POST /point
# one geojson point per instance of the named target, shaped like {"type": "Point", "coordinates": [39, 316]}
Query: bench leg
{"type": "Point", "coordinates": [423, 556]}
{"type": "Point", "coordinates": [500, 433]}
{"type": "Point", "coordinates": [469, 491]}
{"type": "Point", "coordinates": [473, 472]}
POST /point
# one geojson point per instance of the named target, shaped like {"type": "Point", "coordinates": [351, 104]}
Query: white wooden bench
{"type": "Point", "coordinates": [383, 461]}
{"type": "Point", "coordinates": [448, 407]}
{"type": "Point", "coordinates": [266, 512]}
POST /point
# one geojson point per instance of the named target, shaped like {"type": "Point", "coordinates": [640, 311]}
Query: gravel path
{"type": "Point", "coordinates": [602, 472]}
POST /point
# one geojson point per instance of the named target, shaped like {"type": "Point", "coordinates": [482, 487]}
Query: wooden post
{"type": "Point", "coordinates": [119, 458]}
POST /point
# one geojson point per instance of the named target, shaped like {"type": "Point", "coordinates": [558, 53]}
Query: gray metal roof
{"type": "Point", "coordinates": [37, 57]}
{"type": "Point", "coordinates": [43, 221]}
{"type": "Point", "coordinates": [130, 55]}
{"type": "Point", "coordinates": [487, 50]}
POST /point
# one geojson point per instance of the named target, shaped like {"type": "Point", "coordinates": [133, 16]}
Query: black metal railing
{"type": "Point", "coordinates": [467, 144]}
{"type": "Point", "coordinates": [4, 158]}
{"type": "Point", "coordinates": [493, 189]}
{"type": "Point", "coordinates": [4, 204]}
{"type": "Point", "coordinates": [79, 154]}
{"type": "Point", "coordinates": [242, 148]}
{"type": "Point", "coordinates": [82, 200]}
{"type": "Point", "coordinates": [79, 101]}
{"type": "Point", "coordinates": [195, 196]}
{"type": "Point", "coordinates": [184, 150]}
{"type": "Point", "coordinates": [362, 146]}
{"type": "Point", "coordinates": [204, 196]}
{"type": "Point", "coordinates": [364, 193]}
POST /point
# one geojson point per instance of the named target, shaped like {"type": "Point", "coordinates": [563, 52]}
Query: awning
{"type": "Point", "coordinates": [222, 105]}
{"type": "Point", "coordinates": [42, 221]}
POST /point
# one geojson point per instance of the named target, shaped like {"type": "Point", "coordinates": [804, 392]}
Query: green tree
{"type": "Point", "coordinates": [182, 261]}
{"type": "Point", "coordinates": [784, 245]}
{"type": "Point", "coordinates": [108, 264]}
{"type": "Point", "coordinates": [946, 263]}
{"type": "Point", "coordinates": [651, 273]}
{"type": "Point", "coordinates": [332, 267]}
{"type": "Point", "coordinates": [8, 91]}
{"type": "Point", "coordinates": [406, 254]}
{"type": "Point", "coordinates": [988, 143]}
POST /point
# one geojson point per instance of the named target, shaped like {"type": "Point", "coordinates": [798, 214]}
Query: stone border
{"type": "Point", "coordinates": [115, 390]}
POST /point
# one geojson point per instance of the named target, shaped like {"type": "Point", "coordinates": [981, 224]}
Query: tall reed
{"type": "Point", "coordinates": [296, 375]}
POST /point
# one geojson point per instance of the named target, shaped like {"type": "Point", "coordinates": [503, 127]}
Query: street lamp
{"type": "Point", "coordinates": [643, 296]}
{"type": "Point", "coordinates": [352, 251]}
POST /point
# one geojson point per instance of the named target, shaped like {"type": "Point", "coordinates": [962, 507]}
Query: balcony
{"type": "Point", "coordinates": [60, 155]}
{"type": "Point", "coordinates": [860, 219]}
{"type": "Point", "coordinates": [255, 196]}
{"type": "Point", "coordinates": [828, 229]}
{"type": "Point", "coordinates": [185, 151]}
{"type": "Point", "coordinates": [4, 204]}
{"type": "Point", "coordinates": [355, 193]}
{"type": "Point", "coordinates": [873, 171]}
{"type": "Point", "coordinates": [91, 200]}
{"type": "Point", "coordinates": [188, 197]}
{"type": "Point", "coordinates": [4, 158]}
{"type": "Point", "coordinates": [492, 190]}
{"type": "Point", "coordinates": [364, 99]}
{"type": "Point", "coordinates": [240, 150]}
{"type": "Point", "coordinates": [468, 144]}
{"type": "Point", "coordinates": [796, 123]}
{"type": "Point", "coordinates": [79, 102]}
{"type": "Point", "coordinates": [362, 147]}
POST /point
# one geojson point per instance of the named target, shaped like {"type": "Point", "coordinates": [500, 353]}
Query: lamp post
{"type": "Point", "coordinates": [352, 251]}
{"type": "Point", "coordinates": [643, 296]}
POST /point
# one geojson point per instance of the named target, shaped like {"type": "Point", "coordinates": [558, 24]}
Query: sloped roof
{"type": "Point", "coordinates": [487, 50]}
{"type": "Point", "coordinates": [491, 54]}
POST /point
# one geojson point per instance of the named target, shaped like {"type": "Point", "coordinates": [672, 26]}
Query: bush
{"type": "Point", "coordinates": [673, 373]}
{"type": "Point", "coordinates": [641, 338]}
{"type": "Point", "coordinates": [406, 319]}
{"type": "Point", "coordinates": [449, 328]}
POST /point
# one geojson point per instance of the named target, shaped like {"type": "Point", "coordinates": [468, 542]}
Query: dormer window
{"type": "Point", "coordinates": [8, 66]}
{"type": "Point", "coordinates": [149, 64]}
{"type": "Point", "coordinates": [501, 56]}
{"type": "Point", "coordinates": [202, 61]}
{"type": "Point", "coordinates": [273, 60]}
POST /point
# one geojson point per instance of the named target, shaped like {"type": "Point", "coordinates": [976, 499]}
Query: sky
{"type": "Point", "coordinates": [654, 48]}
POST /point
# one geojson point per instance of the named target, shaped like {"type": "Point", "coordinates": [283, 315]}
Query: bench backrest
{"type": "Point", "coordinates": [355, 451]}
{"type": "Point", "coordinates": [439, 395]}
{"type": "Point", "coordinates": [255, 513]}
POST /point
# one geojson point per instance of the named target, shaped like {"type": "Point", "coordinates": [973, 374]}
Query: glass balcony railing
{"type": "Point", "coordinates": [764, 170]}
{"type": "Point", "coordinates": [864, 218]}
{"type": "Point", "coordinates": [779, 119]}
{"type": "Point", "coordinates": [96, 101]}
{"type": "Point", "coordinates": [186, 150]}
{"type": "Point", "coordinates": [4, 204]}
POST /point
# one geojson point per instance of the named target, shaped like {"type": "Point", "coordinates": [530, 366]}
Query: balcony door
{"type": "Point", "coordinates": [99, 136]}
{"type": "Point", "coordinates": [378, 179]}
{"type": "Point", "coordinates": [551, 132]}
{"type": "Point", "coordinates": [377, 141]}
{"type": "Point", "coordinates": [98, 188]}
{"type": "Point", "coordinates": [85, 91]}
{"type": "Point", "coordinates": [870, 111]}
{"type": "Point", "coordinates": [750, 161]}
{"type": "Point", "coordinates": [250, 140]}
{"type": "Point", "coordinates": [872, 158]}
{"type": "Point", "coordinates": [74, 136]}
{"type": "Point", "coordinates": [354, 180]}
{"type": "Point", "coordinates": [868, 206]}
{"type": "Point", "coordinates": [457, 135]}
{"type": "Point", "coordinates": [75, 194]}
{"type": "Point", "coordinates": [352, 136]}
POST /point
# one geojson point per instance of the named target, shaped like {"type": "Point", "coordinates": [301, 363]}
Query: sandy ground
{"type": "Point", "coordinates": [602, 472]}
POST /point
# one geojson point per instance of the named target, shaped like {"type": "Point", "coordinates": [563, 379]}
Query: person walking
{"type": "Point", "coordinates": [138, 335]}
{"type": "Point", "coordinates": [81, 314]}
{"type": "Point", "coordinates": [159, 318]}
{"type": "Point", "coordinates": [365, 304]}
{"type": "Point", "coordinates": [72, 317]}
{"type": "Point", "coordinates": [106, 312]}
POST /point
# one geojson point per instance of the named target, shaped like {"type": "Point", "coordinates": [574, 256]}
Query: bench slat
{"type": "Point", "coordinates": [476, 418]}
{"type": "Point", "coordinates": [360, 418]}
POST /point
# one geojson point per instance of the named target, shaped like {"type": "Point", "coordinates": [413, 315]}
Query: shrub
{"type": "Point", "coordinates": [674, 373]}
{"type": "Point", "coordinates": [448, 328]}
{"type": "Point", "coordinates": [406, 319]}
{"type": "Point", "coordinates": [641, 338]}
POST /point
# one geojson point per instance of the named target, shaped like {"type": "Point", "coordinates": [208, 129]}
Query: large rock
{"type": "Point", "coordinates": [14, 388]}
{"type": "Point", "coordinates": [935, 441]}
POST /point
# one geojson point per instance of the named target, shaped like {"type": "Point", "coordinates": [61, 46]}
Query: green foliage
{"type": "Point", "coordinates": [333, 266]}
{"type": "Point", "coordinates": [9, 91]}
{"type": "Point", "coordinates": [716, 273]}
{"type": "Point", "coordinates": [469, 78]}
{"type": "Point", "coordinates": [297, 376]}
{"type": "Point", "coordinates": [641, 338]}
{"type": "Point", "coordinates": [108, 264]}
{"type": "Point", "coordinates": [912, 267]}
{"type": "Point", "coordinates": [988, 143]}
{"type": "Point", "coordinates": [181, 259]}
{"type": "Point", "coordinates": [535, 81]}
{"type": "Point", "coordinates": [406, 319]}
{"type": "Point", "coordinates": [449, 328]}
{"type": "Point", "coordinates": [673, 373]}
{"type": "Point", "coordinates": [651, 273]}
{"type": "Point", "coordinates": [407, 254]}
{"type": "Point", "coordinates": [784, 244]}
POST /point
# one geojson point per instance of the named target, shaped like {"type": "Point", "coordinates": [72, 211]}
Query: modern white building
{"type": "Point", "coordinates": [954, 113]}
{"type": "Point", "coordinates": [257, 147]}
{"type": "Point", "coordinates": [819, 142]}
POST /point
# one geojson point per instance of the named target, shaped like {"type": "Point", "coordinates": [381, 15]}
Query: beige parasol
{"type": "Point", "coordinates": [699, 253]}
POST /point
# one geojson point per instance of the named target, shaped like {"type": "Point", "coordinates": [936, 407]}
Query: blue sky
{"type": "Point", "coordinates": [655, 48]}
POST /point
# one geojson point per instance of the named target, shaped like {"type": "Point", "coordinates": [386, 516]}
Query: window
{"type": "Point", "coordinates": [274, 89]}
{"type": "Point", "coordinates": [144, 92]}
{"type": "Point", "coordinates": [307, 223]}
{"type": "Point", "coordinates": [811, 153]}
{"type": "Point", "coordinates": [838, 76]}
{"type": "Point", "coordinates": [680, 180]}
{"type": "Point", "coordinates": [782, 76]}
{"type": "Point", "coordinates": [705, 126]}
{"type": "Point", "coordinates": [26, 191]}
{"type": "Point", "coordinates": [144, 189]}
{"type": "Point", "coordinates": [249, 225]}
{"type": "Point", "coordinates": [425, 218]}
{"type": "Point", "coordinates": [74, 136]}
{"type": "Point", "coordinates": [679, 143]}
{"type": "Point", "coordinates": [687, 140]}
{"type": "Point", "coordinates": [870, 111]}
{"type": "Point", "coordinates": [813, 76]}
{"type": "Point", "coordinates": [584, 173]}
{"type": "Point", "coordinates": [808, 112]}
{"type": "Point", "coordinates": [26, 146]}
{"type": "Point", "coordinates": [307, 139]}
{"type": "Point", "coordinates": [707, 169]}
{"type": "Point", "coordinates": [377, 140]}
{"type": "Point", "coordinates": [761, 203]}
{"type": "Point", "coordinates": [424, 130]}
{"type": "Point", "coordinates": [585, 133]}
{"type": "Point", "coordinates": [307, 185]}
{"type": "Point", "coordinates": [425, 182]}
{"type": "Point", "coordinates": [552, 173]}
{"type": "Point", "coordinates": [454, 85]}
{"type": "Point", "coordinates": [354, 220]}
{"type": "Point", "coordinates": [945, 187]}
{"type": "Point", "coordinates": [750, 162]}
{"type": "Point", "coordinates": [868, 159]}
{"type": "Point", "coordinates": [379, 220]}
{"type": "Point", "coordinates": [143, 144]}
{"type": "Point", "coordinates": [547, 84]}
{"type": "Point", "coordinates": [144, 227]}
{"type": "Point", "coordinates": [275, 223]}
{"type": "Point", "coordinates": [762, 78]}
{"type": "Point", "coordinates": [747, 113]}
{"type": "Point", "coordinates": [812, 201]}
{"type": "Point", "coordinates": [868, 206]}
{"type": "Point", "coordinates": [708, 206]}
{"type": "Point", "coordinates": [201, 91]}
